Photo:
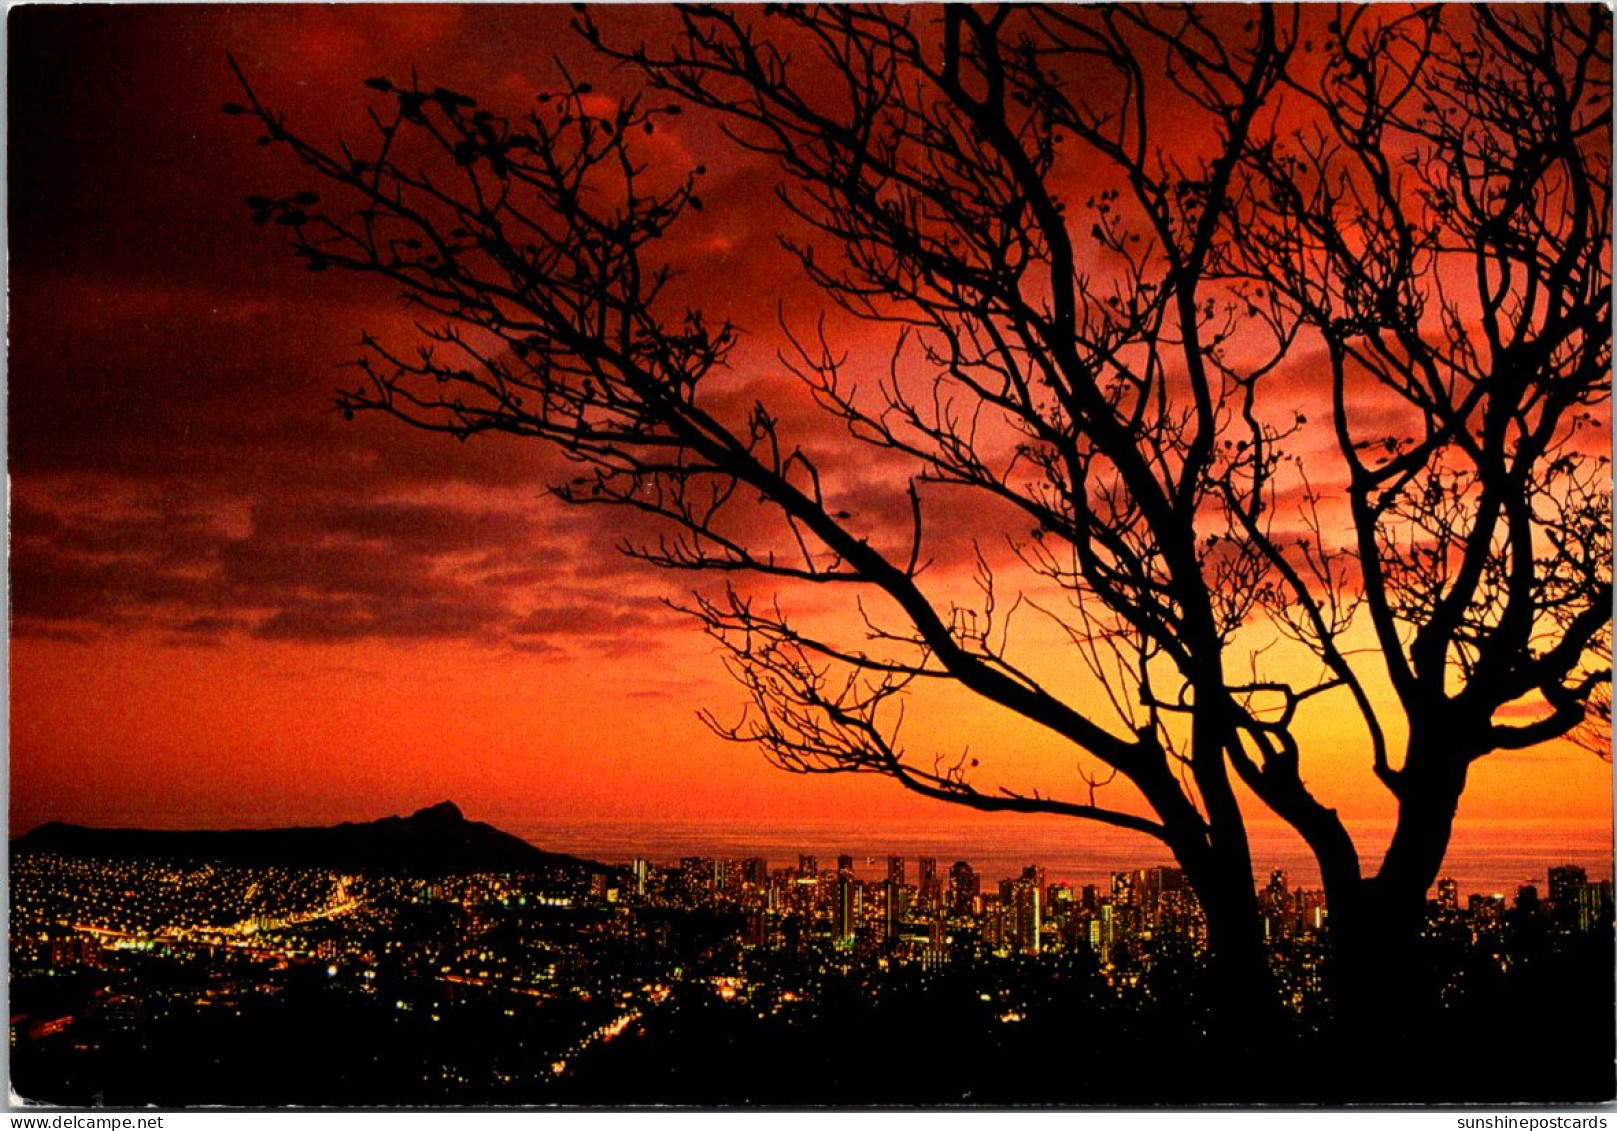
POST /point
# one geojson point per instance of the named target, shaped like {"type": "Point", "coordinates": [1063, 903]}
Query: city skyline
{"type": "Point", "coordinates": [1004, 847]}
{"type": "Point", "coordinates": [561, 983]}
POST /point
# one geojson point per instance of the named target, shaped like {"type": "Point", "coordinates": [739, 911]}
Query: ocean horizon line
{"type": "Point", "coordinates": [1487, 855]}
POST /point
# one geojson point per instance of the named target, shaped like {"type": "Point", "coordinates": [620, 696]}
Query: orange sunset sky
{"type": "Point", "coordinates": [231, 608]}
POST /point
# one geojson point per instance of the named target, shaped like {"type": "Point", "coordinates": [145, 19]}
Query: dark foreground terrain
{"type": "Point", "coordinates": [1543, 1036]}
{"type": "Point", "coordinates": [174, 982]}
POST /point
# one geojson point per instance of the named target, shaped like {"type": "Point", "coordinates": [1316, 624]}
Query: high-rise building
{"type": "Point", "coordinates": [1026, 895]}
{"type": "Point", "coordinates": [936, 951]}
{"type": "Point", "coordinates": [1158, 897]}
{"type": "Point", "coordinates": [1487, 911]}
{"type": "Point", "coordinates": [895, 870]}
{"type": "Point", "coordinates": [1164, 879]}
{"type": "Point", "coordinates": [1566, 891]}
{"type": "Point", "coordinates": [1566, 878]}
{"type": "Point", "coordinates": [1448, 895]}
{"type": "Point", "coordinates": [844, 865]}
{"type": "Point", "coordinates": [892, 909]}
{"type": "Point", "coordinates": [1058, 902]}
{"type": "Point", "coordinates": [931, 890]}
{"type": "Point", "coordinates": [802, 894]}
{"type": "Point", "coordinates": [995, 921]}
{"type": "Point", "coordinates": [1274, 902]}
{"type": "Point", "coordinates": [1311, 911]}
{"type": "Point", "coordinates": [1595, 907]}
{"type": "Point", "coordinates": [1103, 931]}
{"type": "Point", "coordinates": [697, 875]}
{"type": "Point", "coordinates": [964, 888]}
{"type": "Point", "coordinates": [845, 910]}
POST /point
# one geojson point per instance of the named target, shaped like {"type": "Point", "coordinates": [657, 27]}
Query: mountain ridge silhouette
{"type": "Point", "coordinates": [435, 840]}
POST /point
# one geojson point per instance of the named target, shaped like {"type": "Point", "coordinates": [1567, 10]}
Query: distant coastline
{"type": "Point", "coordinates": [1487, 855]}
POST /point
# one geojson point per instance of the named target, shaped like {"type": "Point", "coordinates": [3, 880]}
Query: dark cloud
{"type": "Point", "coordinates": [308, 570]}
{"type": "Point", "coordinates": [107, 571]}
{"type": "Point", "coordinates": [319, 621]}
{"type": "Point", "coordinates": [24, 630]}
{"type": "Point", "coordinates": [589, 615]}
{"type": "Point", "coordinates": [178, 467]}
{"type": "Point", "coordinates": [164, 348]}
{"type": "Point", "coordinates": [208, 627]}
{"type": "Point", "coordinates": [156, 335]}
{"type": "Point", "coordinates": [185, 396]}
{"type": "Point", "coordinates": [108, 593]}
{"type": "Point", "coordinates": [271, 569]}
{"type": "Point", "coordinates": [609, 627]}
{"type": "Point", "coordinates": [421, 528]}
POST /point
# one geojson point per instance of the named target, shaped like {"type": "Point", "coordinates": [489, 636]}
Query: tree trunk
{"type": "Point", "coordinates": [1394, 903]}
{"type": "Point", "coordinates": [1247, 1025]}
{"type": "Point", "coordinates": [1379, 983]}
{"type": "Point", "coordinates": [1235, 943]}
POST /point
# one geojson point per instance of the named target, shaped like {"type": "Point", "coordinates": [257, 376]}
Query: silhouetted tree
{"type": "Point", "coordinates": [1122, 252]}
{"type": "Point", "coordinates": [1442, 224]}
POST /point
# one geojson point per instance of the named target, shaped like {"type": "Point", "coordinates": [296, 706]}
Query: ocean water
{"type": "Point", "coordinates": [1487, 856]}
